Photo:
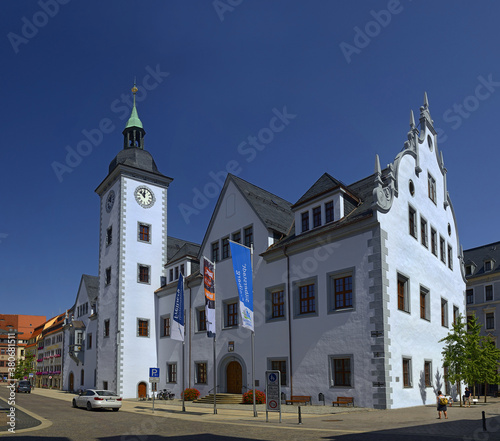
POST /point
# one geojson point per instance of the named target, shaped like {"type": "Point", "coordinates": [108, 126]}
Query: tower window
{"type": "Point", "coordinates": [143, 273]}
{"type": "Point", "coordinates": [109, 236]}
{"type": "Point", "coordinates": [144, 232]}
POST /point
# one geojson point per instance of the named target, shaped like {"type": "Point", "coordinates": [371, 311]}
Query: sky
{"type": "Point", "coordinates": [342, 76]}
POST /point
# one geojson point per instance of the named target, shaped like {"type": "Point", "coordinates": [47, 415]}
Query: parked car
{"type": "Point", "coordinates": [23, 386]}
{"type": "Point", "coordinates": [98, 399]}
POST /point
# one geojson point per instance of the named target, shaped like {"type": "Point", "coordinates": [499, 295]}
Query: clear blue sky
{"type": "Point", "coordinates": [347, 73]}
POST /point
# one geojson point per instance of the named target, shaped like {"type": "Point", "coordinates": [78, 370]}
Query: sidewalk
{"type": "Point", "coordinates": [421, 420]}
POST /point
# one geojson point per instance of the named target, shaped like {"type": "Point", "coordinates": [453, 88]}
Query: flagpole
{"type": "Point", "coordinates": [253, 347]}
{"type": "Point", "coordinates": [183, 355]}
{"type": "Point", "coordinates": [215, 357]}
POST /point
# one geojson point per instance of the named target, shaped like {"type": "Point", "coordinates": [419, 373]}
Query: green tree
{"type": "Point", "coordinates": [473, 367]}
{"type": "Point", "coordinates": [24, 367]}
{"type": "Point", "coordinates": [488, 368]}
{"type": "Point", "coordinates": [455, 354]}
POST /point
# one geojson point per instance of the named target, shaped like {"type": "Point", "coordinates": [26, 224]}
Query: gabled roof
{"type": "Point", "coordinates": [274, 212]}
{"type": "Point", "coordinates": [323, 185]}
{"type": "Point", "coordinates": [174, 246]}
{"type": "Point", "coordinates": [477, 256]}
{"type": "Point", "coordinates": [92, 286]}
{"type": "Point", "coordinates": [189, 249]}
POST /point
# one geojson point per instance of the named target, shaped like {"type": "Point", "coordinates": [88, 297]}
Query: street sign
{"type": "Point", "coordinates": [273, 392]}
{"type": "Point", "coordinates": [154, 375]}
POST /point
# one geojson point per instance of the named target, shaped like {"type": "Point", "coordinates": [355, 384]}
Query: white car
{"type": "Point", "coordinates": [98, 399]}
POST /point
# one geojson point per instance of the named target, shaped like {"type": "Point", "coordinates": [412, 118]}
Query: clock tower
{"type": "Point", "coordinates": [132, 251]}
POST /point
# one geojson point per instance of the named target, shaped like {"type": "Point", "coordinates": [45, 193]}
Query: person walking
{"type": "Point", "coordinates": [467, 395]}
{"type": "Point", "coordinates": [442, 402]}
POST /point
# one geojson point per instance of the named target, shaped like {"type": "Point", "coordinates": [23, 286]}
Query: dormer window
{"type": "Point", "coordinates": [305, 221]}
{"type": "Point", "coordinates": [488, 265]}
{"type": "Point", "coordinates": [329, 212]}
{"type": "Point", "coordinates": [316, 217]}
{"type": "Point", "coordinates": [468, 270]}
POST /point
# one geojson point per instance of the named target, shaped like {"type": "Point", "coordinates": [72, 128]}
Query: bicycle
{"type": "Point", "coordinates": [166, 394]}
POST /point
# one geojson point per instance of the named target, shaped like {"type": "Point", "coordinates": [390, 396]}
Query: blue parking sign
{"type": "Point", "coordinates": [154, 372]}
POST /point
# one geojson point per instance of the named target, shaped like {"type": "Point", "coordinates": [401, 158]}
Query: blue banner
{"type": "Point", "coordinates": [242, 265]}
{"type": "Point", "coordinates": [178, 322]}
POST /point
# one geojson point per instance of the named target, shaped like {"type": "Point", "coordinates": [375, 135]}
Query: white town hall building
{"type": "Point", "coordinates": [354, 285]}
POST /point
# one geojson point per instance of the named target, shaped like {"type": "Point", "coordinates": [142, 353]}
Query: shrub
{"type": "Point", "coordinates": [191, 394]}
{"type": "Point", "coordinates": [260, 397]}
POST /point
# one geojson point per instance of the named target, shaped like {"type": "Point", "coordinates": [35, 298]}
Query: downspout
{"type": "Point", "coordinates": [289, 317]}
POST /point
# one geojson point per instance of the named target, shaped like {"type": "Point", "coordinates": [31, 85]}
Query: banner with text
{"type": "Point", "coordinates": [178, 322]}
{"type": "Point", "coordinates": [209, 282]}
{"type": "Point", "coordinates": [242, 265]}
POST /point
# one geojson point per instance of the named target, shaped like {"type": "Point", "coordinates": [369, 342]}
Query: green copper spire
{"type": "Point", "coordinates": [134, 120]}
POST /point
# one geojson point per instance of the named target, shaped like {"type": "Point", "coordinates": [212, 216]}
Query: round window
{"type": "Point", "coordinates": [411, 187]}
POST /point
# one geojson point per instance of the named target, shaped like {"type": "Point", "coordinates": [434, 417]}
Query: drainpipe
{"type": "Point", "coordinates": [289, 317]}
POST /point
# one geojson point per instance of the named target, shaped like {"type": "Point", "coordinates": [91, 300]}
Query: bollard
{"type": "Point", "coordinates": [300, 416]}
{"type": "Point", "coordinates": [484, 422]}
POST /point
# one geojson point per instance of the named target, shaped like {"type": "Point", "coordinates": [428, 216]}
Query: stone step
{"type": "Point", "coordinates": [221, 399]}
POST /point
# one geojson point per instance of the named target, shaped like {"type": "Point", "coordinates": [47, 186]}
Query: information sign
{"type": "Point", "coordinates": [154, 375]}
{"type": "Point", "coordinates": [273, 392]}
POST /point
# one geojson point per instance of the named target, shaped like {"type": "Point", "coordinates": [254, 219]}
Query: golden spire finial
{"type": "Point", "coordinates": [134, 91]}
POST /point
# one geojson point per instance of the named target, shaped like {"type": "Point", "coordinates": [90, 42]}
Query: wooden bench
{"type": "Point", "coordinates": [299, 399]}
{"type": "Point", "coordinates": [345, 401]}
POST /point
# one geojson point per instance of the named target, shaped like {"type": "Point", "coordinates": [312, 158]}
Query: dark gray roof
{"type": "Point", "coordinates": [361, 206]}
{"type": "Point", "coordinates": [477, 256]}
{"type": "Point", "coordinates": [275, 212]}
{"type": "Point", "coordinates": [177, 248]}
{"type": "Point", "coordinates": [323, 185]}
{"type": "Point", "coordinates": [92, 286]}
{"type": "Point", "coordinates": [137, 158]}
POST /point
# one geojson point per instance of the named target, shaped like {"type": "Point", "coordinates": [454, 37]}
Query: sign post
{"type": "Point", "coordinates": [273, 392]}
{"type": "Point", "coordinates": [154, 378]}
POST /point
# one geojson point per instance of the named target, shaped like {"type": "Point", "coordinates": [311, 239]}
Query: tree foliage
{"type": "Point", "coordinates": [24, 367]}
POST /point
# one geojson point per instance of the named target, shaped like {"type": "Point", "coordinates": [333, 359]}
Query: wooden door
{"type": "Point", "coordinates": [71, 381]}
{"type": "Point", "coordinates": [141, 390]}
{"type": "Point", "coordinates": [234, 378]}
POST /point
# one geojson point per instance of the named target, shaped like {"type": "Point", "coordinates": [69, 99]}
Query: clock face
{"type": "Point", "coordinates": [144, 196]}
{"type": "Point", "coordinates": [110, 201]}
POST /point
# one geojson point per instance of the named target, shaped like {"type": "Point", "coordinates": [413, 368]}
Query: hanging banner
{"type": "Point", "coordinates": [242, 265]}
{"type": "Point", "coordinates": [177, 332]}
{"type": "Point", "coordinates": [209, 282]}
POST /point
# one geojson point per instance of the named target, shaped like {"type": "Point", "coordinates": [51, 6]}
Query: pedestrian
{"type": "Point", "coordinates": [467, 395]}
{"type": "Point", "coordinates": [442, 402]}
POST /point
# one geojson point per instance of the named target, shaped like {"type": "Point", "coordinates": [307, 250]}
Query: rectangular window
{"type": "Point", "coordinates": [176, 273]}
{"type": "Point", "coordinates": [248, 232]}
{"type": "Point", "coordinates": [432, 188]}
{"type": "Point", "coordinates": [144, 233]}
{"type": "Point", "coordinates": [412, 217]}
{"type": "Point", "coordinates": [307, 299]}
{"type": "Point", "coordinates": [406, 372]}
{"type": "Point", "coordinates": [487, 265]}
{"type": "Point", "coordinates": [143, 328]}
{"type": "Point", "coordinates": [403, 294]}
{"type": "Point", "coordinates": [225, 247]}
{"type": "Point", "coordinates": [143, 276]}
{"type": "Point", "coordinates": [107, 277]}
{"type": "Point", "coordinates": [277, 304]}
{"type": "Point", "coordinates": [488, 293]}
{"type": "Point", "coordinates": [423, 232]}
{"type": "Point", "coordinates": [424, 304]}
{"type": "Point", "coordinates": [329, 212]}
{"type": "Point", "coordinates": [343, 292]}
{"type": "Point", "coordinates": [469, 296]}
{"type": "Point", "coordinates": [182, 269]}
{"type": "Point", "coordinates": [444, 312]}
{"type": "Point", "coordinates": [106, 328]}
{"type": "Point", "coordinates": [201, 373]}
{"type": "Point", "coordinates": [428, 373]}
{"type": "Point", "coordinates": [109, 236]}
{"type": "Point", "coordinates": [165, 326]}
{"type": "Point", "coordinates": [215, 252]}
{"type": "Point", "coordinates": [450, 257]}
{"type": "Point", "coordinates": [316, 217]}
{"type": "Point", "coordinates": [237, 236]}
{"type": "Point", "coordinates": [89, 341]}
{"type": "Point", "coordinates": [442, 249]}
{"type": "Point", "coordinates": [456, 314]}
{"type": "Point", "coordinates": [171, 274]}
{"type": "Point", "coordinates": [341, 374]}
{"type": "Point", "coordinates": [490, 320]}
{"type": "Point", "coordinates": [202, 320]}
{"type": "Point", "coordinates": [434, 247]}
{"type": "Point", "coordinates": [305, 221]}
{"type": "Point", "coordinates": [171, 372]}
{"type": "Point", "coordinates": [232, 314]}
{"type": "Point", "coordinates": [280, 365]}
